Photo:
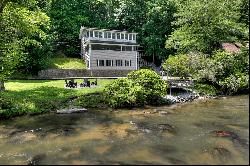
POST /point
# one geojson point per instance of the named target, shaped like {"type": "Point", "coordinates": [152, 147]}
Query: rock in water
{"type": "Point", "coordinates": [72, 110]}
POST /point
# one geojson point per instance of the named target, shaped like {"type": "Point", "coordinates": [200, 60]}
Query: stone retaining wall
{"type": "Point", "coordinates": [63, 73]}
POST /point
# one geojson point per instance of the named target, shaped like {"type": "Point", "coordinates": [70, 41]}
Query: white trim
{"type": "Point", "coordinates": [136, 61]}
{"type": "Point", "coordinates": [89, 55]}
{"type": "Point", "coordinates": [116, 44]}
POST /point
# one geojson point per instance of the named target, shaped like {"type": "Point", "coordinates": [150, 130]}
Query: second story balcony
{"type": "Point", "coordinates": [107, 35]}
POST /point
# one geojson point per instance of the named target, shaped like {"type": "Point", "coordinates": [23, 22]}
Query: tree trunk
{"type": "Point", "coordinates": [2, 88]}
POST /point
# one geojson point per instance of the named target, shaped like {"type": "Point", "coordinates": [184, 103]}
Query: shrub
{"type": "Point", "coordinates": [5, 104]}
{"type": "Point", "coordinates": [235, 83]}
{"type": "Point", "coordinates": [205, 89]}
{"type": "Point", "coordinates": [143, 86]}
{"type": "Point", "coordinates": [177, 65]}
{"type": "Point", "coordinates": [92, 100]}
{"type": "Point", "coordinates": [151, 82]}
{"type": "Point", "coordinates": [122, 93]}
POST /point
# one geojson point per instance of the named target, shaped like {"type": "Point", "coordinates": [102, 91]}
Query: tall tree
{"type": "Point", "coordinates": [203, 25]}
{"type": "Point", "coordinates": [21, 28]}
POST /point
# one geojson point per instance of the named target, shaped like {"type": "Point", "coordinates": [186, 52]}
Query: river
{"type": "Point", "coordinates": [213, 131]}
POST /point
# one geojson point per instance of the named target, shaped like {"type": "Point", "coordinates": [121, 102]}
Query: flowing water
{"type": "Point", "coordinates": [214, 131]}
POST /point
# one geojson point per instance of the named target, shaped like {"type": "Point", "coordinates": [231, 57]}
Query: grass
{"type": "Point", "coordinates": [38, 96]}
{"type": "Point", "coordinates": [66, 63]}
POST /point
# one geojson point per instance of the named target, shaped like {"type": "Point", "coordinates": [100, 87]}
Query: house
{"type": "Point", "coordinates": [104, 49]}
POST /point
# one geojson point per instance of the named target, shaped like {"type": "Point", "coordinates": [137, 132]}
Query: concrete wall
{"type": "Point", "coordinates": [63, 73]}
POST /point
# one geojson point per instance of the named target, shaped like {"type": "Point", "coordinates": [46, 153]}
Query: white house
{"type": "Point", "coordinates": [104, 49]}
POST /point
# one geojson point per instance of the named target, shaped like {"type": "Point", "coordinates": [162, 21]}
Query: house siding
{"type": "Point", "coordinates": [113, 55]}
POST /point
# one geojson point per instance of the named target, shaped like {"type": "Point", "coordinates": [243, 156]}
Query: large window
{"type": "Point", "coordinates": [96, 33]}
{"type": "Point", "coordinates": [100, 34]}
{"type": "Point", "coordinates": [109, 35]}
{"type": "Point", "coordinates": [90, 33]}
{"type": "Point", "coordinates": [109, 63]}
{"type": "Point", "coordinates": [105, 35]}
{"type": "Point", "coordinates": [130, 36]}
{"type": "Point", "coordinates": [118, 36]}
{"type": "Point", "coordinates": [122, 36]}
{"type": "Point", "coordinates": [106, 47]}
{"type": "Point", "coordinates": [127, 63]}
{"type": "Point", "coordinates": [126, 48]}
{"type": "Point", "coordinates": [113, 35]}
{"type": "Point", "coordinates": [118, 62]}
{"type": "Point", "coordinates": [126, 36]}
{"type": "Point", "coordinates": [134, 37]}
{"type": "Point", "coordinates": [100, 62]}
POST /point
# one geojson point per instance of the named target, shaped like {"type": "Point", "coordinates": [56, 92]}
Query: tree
{"type": "Point", "coordinates": [204, 25]}
{"type": "Point", "coordinates": [20, 28]}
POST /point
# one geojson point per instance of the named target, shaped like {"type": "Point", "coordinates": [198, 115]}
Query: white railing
{"type": "Point", "coordinates": [109, 39]}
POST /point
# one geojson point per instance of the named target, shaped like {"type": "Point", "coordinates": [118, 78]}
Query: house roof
{"type": "Point", "coordinates": [107, 30]}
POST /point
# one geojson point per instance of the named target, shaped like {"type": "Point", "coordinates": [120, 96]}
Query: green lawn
{"type": "Point", "coordinates": [66, 63]}
{"type": "Point", "coordinates": [37, 96]}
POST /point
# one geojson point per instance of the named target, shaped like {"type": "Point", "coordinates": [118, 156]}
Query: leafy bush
{"type": "Point", "coordinates": [205, 89]}
{"type": "Point", "coordinates": [151, 82]}
{"type": "Point", "coordinates": [177, 65]}
{"type": "Point", "coordinates": [92, 100]}
{"type": "Point", "coordinates": [5, 104]}
{"type": "Point", "coordinates": [235, 83]}
{"type": "Point", "coordinates": [143, 86]}
{"type": "Point", "coordinates": [121, 93]}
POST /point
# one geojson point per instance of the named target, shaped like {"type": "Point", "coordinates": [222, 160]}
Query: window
{"type": "Point", "coordinates": [126, 36]}
{"type": "Point", "coordinates": [108, 63]}
{"type": "Point", "coordinates": [130, 36]}
{"type": "Point", "coordinates": [128, 63]}
{"type": "Point", "coordinates": [133, 36]}
{"type": "Point", "coordinates": [118, 62]}
{"type": "Point", "coordinates": [101, 63]}
{"type": "Point", "coordinates": [113, 35]}
{"type": "Point", "coordinates": [118, 36]}
{"type": "Point", "coordinates": [100, 34]}
{"type": "Point", "coordinates": [126, 48]}
{"type": "Point", "coordinates": [109, 35]}
{"type": "Point", "coordinates": [106, 47]}
{"type": "Point", "coordinates": [105, 35]}
{"type": "Point", "coordinates": [122, 36]}
{"type": "Point", "coordinates": [96, 33]}
{"type": "Point", "coordinates": [91, 33]}
{"type": "Point", "coordinates": [86, 34]}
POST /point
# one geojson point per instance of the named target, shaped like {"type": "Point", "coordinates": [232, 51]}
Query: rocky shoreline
{"type": "Point", "coordinates": [187, 97]}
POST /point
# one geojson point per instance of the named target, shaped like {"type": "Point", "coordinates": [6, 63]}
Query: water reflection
{"type": "Point", "coordinates": [202, 132]}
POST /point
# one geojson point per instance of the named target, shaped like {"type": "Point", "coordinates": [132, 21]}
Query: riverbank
{"type": "Point", "coordinates": [31, 97]}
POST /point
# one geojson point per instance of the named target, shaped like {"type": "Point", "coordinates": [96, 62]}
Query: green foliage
{"type": "Point", "coordinates": [178, 65]}
{"type": "Point", "coordinates": [151, 82]}
{"type": "Point", "coordinates": [226, 71]}
{"type": "Point", "coordinates": [23, 37]}
{"type": "Point", "coordinates": [122, 93]}
{"type": "Point", "coordinates": [141, 87]}
{"type": "Point", "coordinates": [91, 100]}
{"type": "Point", "coordinates": [38, 96]}
{"type": "Point", "coordinates": [205, 89]}
{"type": "Point", "coordinates": [235, 83]}
{"type": "Point", "coordinates": [204, 25]}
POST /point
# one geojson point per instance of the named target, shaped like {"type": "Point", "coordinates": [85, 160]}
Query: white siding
{"type": "Point", "coordinates": [113, 55]}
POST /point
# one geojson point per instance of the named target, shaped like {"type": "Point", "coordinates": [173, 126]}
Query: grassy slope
{"type": "Point", "coordinates": [66, 63]}
{"type": "Point", "coordinates": [37, 96]}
